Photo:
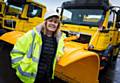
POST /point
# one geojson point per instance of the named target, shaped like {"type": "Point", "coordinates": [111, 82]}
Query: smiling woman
{"type": "Point", "coordinates": [44, 47]}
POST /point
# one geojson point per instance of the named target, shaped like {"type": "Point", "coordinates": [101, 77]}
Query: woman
{"type": "Point", "coordinates": [34, 55]}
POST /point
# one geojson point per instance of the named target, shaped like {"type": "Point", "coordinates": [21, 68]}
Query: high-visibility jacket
{"type": "Point", "coordinates": [26, 53]}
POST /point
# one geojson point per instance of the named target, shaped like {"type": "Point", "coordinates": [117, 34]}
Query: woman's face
{"type": "Point", "coordinates": [52, 24]}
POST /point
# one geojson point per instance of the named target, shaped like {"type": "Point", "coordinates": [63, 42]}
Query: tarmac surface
{"type": "Point", "coordinates": [112, 74]}
{"type": "Point", "coordinates": [7, 74]}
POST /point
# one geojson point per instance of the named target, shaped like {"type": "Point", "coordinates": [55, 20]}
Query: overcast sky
{"type": "Point", "coordinates": [53, 4]}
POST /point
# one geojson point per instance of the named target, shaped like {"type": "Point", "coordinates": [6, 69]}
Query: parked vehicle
{"type": "Point", "coordinates": [92, 33]}
{"type": "Point", "coordinates": [18, 17]}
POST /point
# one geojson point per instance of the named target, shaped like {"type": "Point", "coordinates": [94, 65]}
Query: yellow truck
{"type": "Point", "coordinates": [18, 17]}
{"type": "Point", "coordinates": [92, 29]}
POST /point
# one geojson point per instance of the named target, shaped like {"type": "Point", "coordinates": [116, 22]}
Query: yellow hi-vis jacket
{"type": "Point", "coordinates": [26, 53]}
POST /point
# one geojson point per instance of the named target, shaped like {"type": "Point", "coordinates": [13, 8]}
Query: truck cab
{"type": "Point", "coordinates": [95, 24]}
{"type": "Point", "coordinates": [19, 17]}
{"type": "Point", "coordinates": [20, 14]}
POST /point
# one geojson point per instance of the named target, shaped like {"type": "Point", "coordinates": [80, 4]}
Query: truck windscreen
{"type": "Point", "coordinates": [89, 17]}
{"type": "Point", "coordinates": [13, 10]}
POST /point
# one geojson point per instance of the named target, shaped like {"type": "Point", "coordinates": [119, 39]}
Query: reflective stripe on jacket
{"type": "Point", "coordinates": [26, 52]}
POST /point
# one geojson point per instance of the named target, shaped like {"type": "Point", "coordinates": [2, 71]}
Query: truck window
{"type": "Point", "coordinates": [13, 10]}
{"type": "Point", "coordinates": [34, 11]}
{"type": "Point", "coordinates": [91, 17]}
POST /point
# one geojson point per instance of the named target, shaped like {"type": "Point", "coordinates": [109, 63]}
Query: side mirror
{"type": "Point", "coordinates": [59, 11]}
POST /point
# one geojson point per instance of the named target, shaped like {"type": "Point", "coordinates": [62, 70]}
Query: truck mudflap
{"type": "Point", "coordinates": [78, 66]}
{"type": "Point", "coordinates": [11, 37]}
